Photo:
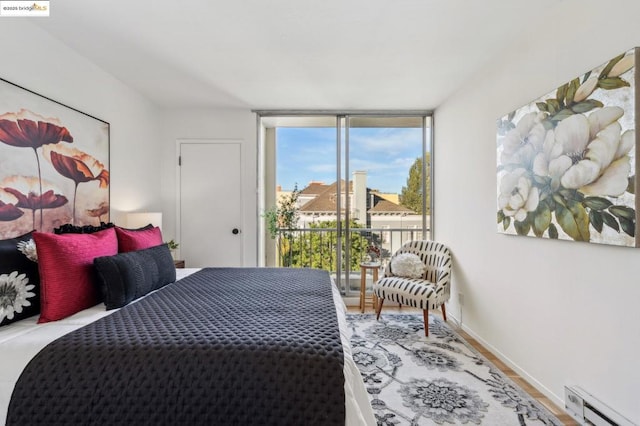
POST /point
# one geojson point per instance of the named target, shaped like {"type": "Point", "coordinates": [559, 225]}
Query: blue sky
{"type": "Point", "coordinates": [306, 154]}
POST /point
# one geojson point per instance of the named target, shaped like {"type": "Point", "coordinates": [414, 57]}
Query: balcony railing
{"type": "Point", "coordinates": [317, 247]}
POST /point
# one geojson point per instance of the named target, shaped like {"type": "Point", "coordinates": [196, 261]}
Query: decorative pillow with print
{"type": "Point", "coordinates": [19, 279]}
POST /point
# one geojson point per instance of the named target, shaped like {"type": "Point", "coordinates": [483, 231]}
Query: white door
{"type": "Point", "coordinates": [210, 203]}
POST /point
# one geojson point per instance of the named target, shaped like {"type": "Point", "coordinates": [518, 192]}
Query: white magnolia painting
{"type": "Point", "coordinates": [567, 163]}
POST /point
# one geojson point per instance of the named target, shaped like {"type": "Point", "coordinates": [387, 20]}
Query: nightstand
{"type": "Point", "coordinates": [179, 263]}
{"type": "Point", "coordinates": [375, 267]}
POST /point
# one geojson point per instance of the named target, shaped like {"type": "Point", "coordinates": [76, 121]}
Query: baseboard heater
{"type": "Point", "coordinates": [588, 410]}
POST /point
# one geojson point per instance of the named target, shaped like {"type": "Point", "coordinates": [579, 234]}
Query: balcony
{"type": "Point", "coordinates": [318, 247]}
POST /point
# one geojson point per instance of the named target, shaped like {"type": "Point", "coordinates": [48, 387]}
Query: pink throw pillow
{"type": "Point", "coordinates": [66, 270]}
{"type": "Point", "coordinates": [138, 239]}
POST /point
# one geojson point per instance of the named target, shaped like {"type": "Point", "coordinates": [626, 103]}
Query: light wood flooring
{"type": "Point", "coordinates": [535, 394]}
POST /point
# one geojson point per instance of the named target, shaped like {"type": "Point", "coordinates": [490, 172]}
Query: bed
{"type": "Point", "coordinates": [28, 349]}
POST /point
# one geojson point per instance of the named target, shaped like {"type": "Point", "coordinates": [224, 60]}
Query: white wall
{"type": "Point", "coordinates": [33, 59]}
{"type": "Point", "coordinates": [211, 124]}
{"type": "Point", "coordinates": [142, 143]}
{"type": "Point", "coordinates": [562, 313]}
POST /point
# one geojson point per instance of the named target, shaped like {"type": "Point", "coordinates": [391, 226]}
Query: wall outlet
{"type": "Point", "coordinates": [461, 299]}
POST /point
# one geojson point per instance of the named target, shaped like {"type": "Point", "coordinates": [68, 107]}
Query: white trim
{"type": "Point", "coordinates": [261, 198]}
{"type": "Point", "coordinates": [559, 401]}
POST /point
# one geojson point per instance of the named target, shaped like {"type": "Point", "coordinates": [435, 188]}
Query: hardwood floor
{"type": "Point", "coordinates": [536, 394]}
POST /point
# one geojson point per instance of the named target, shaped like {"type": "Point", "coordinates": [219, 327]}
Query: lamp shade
{"type": "Point", "coordinates": [140, 219]}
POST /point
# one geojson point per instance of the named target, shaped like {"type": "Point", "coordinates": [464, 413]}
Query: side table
{"type": "Point", "coordinates": [179, 263]}
{"type": "Point", "coordinates": [375, 267]}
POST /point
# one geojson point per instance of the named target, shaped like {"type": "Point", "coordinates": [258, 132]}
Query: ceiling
{"type": "Point", "coordinates": [293, 54]}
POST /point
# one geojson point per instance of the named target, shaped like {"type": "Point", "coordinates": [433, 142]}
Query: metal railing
{"type": "Point", "coordinates": [317, 247]}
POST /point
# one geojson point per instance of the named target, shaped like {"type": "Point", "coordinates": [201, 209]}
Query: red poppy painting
{"type": "Point", "coordinates": [63, 175]}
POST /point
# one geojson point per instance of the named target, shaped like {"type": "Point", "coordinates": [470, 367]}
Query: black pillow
{"type": "Point", "coordinates": [68, 228]}
{"type": "Point", "coordinates": [19, 282]}
{"type": "Point", "coordinates": [125, 277]}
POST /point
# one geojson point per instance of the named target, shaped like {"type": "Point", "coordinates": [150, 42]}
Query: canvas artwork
{"type": "Point", "coordinates": [54, 164]}
{"type": "Point", "coordinates": [567, 161]}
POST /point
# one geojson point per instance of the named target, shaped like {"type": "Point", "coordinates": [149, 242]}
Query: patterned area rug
{"type": "Point", "coordinates": [415, 380]}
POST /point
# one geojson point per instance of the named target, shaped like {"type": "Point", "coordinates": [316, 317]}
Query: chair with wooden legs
{"type": "Point", "coordinates": [429, 292]}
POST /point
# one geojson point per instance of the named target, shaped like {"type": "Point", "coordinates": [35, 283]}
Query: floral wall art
{"type": "Point", "coordinates": [567, 161]}
{"type": "Point", "coordinates": [54, 164]}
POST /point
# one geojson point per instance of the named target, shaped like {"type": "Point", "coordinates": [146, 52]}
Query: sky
{"type": "Point", "coordinates": [309, 154]}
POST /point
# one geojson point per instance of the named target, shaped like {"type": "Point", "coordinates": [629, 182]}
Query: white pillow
{"type": "Point", "coordinates": [407, 265]}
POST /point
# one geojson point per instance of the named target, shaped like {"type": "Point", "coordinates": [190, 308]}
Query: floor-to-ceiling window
{"type": "Point", "coordinates": [334, 185]}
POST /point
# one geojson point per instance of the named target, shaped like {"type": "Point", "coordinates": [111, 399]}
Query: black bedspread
{"type": "Point", "coordinates": [224, 346]}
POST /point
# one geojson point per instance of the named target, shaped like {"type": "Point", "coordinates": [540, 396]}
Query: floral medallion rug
{"type": "Point", "coordinates": [416, 380]}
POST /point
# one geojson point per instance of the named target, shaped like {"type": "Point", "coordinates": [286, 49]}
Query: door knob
{"type": "Point", "coordinates": [235, 231]}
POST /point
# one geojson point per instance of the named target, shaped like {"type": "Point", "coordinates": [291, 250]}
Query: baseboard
{"type": "Point", "coordinates": [502, 357]}
{"type": "Point", "coordinates": [351, 300]}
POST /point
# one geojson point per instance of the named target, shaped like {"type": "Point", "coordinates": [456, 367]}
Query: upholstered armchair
{"type": "Point", "coordinates": [428, 292]}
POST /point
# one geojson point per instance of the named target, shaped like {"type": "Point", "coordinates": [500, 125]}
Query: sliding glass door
{"type": "Point", "coordinates": [336, 185]}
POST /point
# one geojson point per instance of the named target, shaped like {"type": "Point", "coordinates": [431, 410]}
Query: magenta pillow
{"type": "Point", "coordinates": [65, 263]}
{"type": "Point", "coordinates": [137, 239]}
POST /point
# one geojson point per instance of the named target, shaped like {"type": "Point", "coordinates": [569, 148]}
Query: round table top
{"type": "Point", "coordinates": [370, 264]}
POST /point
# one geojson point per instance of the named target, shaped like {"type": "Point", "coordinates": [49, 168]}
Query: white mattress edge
{"type": "Point", "coordinates": [357, 405]}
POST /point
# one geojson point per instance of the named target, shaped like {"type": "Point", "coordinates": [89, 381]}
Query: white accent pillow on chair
{"type": "Point", "coordinates": [407, 265]}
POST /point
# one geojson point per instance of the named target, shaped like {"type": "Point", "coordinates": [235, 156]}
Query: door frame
{"type": "Point", "coordinates": [178, 224]}
{"type": "Point", "coordinates": [276, 116]}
